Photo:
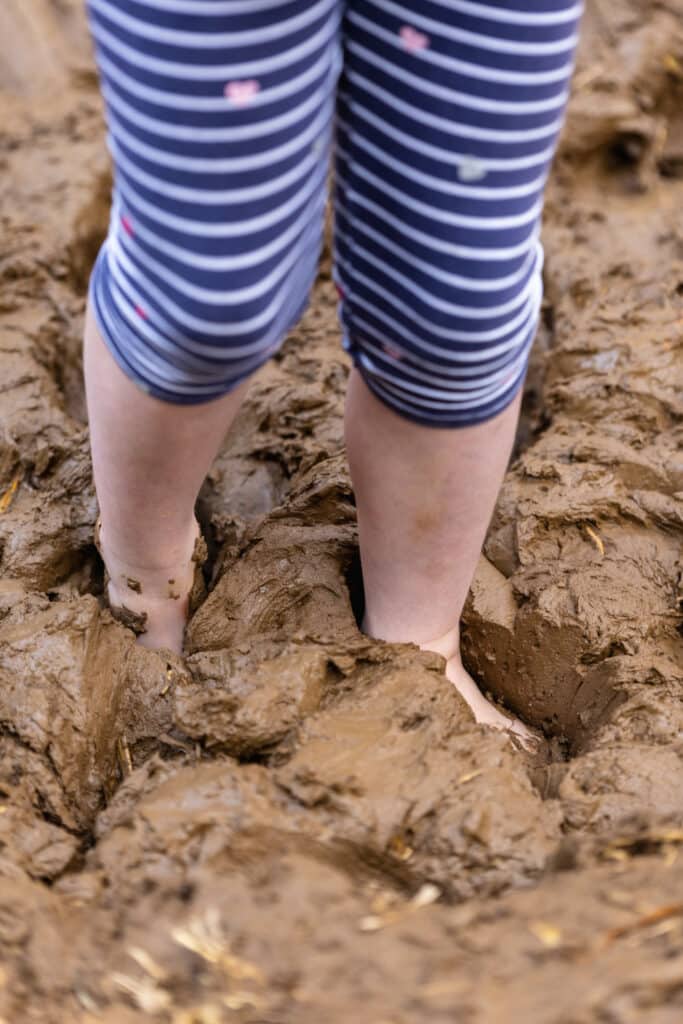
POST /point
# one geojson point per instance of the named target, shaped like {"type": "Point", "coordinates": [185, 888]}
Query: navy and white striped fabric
{"type": "Point", "coordinates": [443, 118]}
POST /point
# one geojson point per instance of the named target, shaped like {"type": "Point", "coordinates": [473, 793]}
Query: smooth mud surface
{"type": "Point", "coordinates": [294, 825]}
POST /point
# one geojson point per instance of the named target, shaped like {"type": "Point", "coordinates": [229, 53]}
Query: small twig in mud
{"type": "Point", "coordinates": [400, 849]}
{"type": "Point", "coordinates": [597, 540]}
{"type": "Point", "coordinates": [125, 760]}
{"type": "Point", "coordinates": [672, 65]}
{"type": "Point", "coordinates": [621, 849]}
{"type": "Point", "coordinates": [243, 1000]}
{"type": "Point", "coordinates": [665, 913]}
{"type": "Point", "coordinates": [169, 680]}
{"type": "Point", "coordinates": [144, 992]}
{"type": "Point", "coordinates": [150, 966]}
{"type": "Point", "coordinates": [204, 936]}
{"type": "Point", "coordinates": [425, 895]}
{"type": "Point", "coordinates": [670, 854]}
{"type": "Point", "coordinates": [7, 498]}
{"type": "Point", "coordinates": [171, 741]}
{"type": "Point", "coordinates": [207, 1014]}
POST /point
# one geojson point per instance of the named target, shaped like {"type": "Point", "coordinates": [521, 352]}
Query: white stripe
{"type": "Point", "coordinates": [512, 17]}
{"type": "Point", "coordinates": [331, 59]}
{"type": "Point", "coordinates": [452, 402]}
{"type": "Point", "coordinates": [435, 302]}
{"type": "Point", "coordinates": [220, 229]}
{"type": "Point", "coordinates": [127, 295]}
{"type": "Point", "coordinates": [451, 188]}
{"type": "Point", "coordinates": [448, 156]}
{"type": "Point", "coordinates": [476, 71]}
{"type": "Point", "coordinates": [138, 354]}
{"type": "Point", "coordinates": [472, 284]}
{"type": "Point", "coordinates": [413, 410]}
{"type": "Point", "coordinates": [217, 264]}
{"type": "Point", "coordinates": [116, 326]}
{"type": "Point", "coordinates": [217, 7]}
{"type": "Point", "coordinates": [461, 251]}
{"type": "Point", "coordinates": [127, 286]}
{"type": "Point", "coordinates": [172, 129]}
{"type": "Point", "coordinates": [213, 72]}
{"type": "Point", "coordinates": [212, 40]}
{"type": "Point", "coordinates": [435, 213]}
{"type": "Point", "coordinates": [451, 337]}
{"type": "Point", "coordinates": [228, 165]}
{"type": "Point", "coordinates": [136, 262]}
{"type": "Point", "coordinates": [165, 367]}
{"type": "Point", "coordinates": [450, 127]}
{"type": "Point", "coordinates": [432, 89]}
{"type": "Point", "coordinates": [406, 361]}
{"type": "Point", "coordinates": [168, 365]}
{"type": "Point", "coordinates": [483, 42]}
{"type": "Point", "coordinates": [476, 391]}
{"type": "Point", "coordinates": [225, 264]}
{"type": "Point", "coordinates": [261, 222]}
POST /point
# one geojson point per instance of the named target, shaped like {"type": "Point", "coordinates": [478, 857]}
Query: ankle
{"type": "Point", "coordinates": [447, 645]}
{"type": "Point", "coordinates": [161, 574]}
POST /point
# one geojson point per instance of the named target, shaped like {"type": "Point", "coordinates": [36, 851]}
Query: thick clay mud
{"type": "Point", "coordinates": [294, 824]}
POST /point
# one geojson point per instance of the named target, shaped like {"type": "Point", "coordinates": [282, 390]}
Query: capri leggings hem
{"type": "Point", "coordinates": [458, 421]}
{"type": "Point", "coordinates": [152, 389]}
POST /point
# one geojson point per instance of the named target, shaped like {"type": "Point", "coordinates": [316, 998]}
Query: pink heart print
{"type": "Point", "coordinates": [127, 225]}
{"type": "Point", "coordinates": [392, 352]}
{"type": "Point", "coordinates": [414, 40]}
{"type": "Point", "coordinates": [242, 92]}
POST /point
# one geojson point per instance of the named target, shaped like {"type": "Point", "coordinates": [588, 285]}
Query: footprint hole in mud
{"type": "Point", "coordinates": [58, 346]}
{"type": "Point", "coordinates": [89, 231]}
{"type": "Point", "coordinates": [354, 583]}
{"type": "Point", "coordinates": [534, 417]}
{"type": "Point", "coordinates": [671, 166]}
{"type": "Point", "coordinates": [626, 151]}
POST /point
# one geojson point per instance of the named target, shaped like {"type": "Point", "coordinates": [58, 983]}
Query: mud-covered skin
{"type": "Point", "coordinates": [295, 823]}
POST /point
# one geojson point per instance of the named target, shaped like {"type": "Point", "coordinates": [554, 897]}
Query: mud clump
{"type": "Point", "coordinates": [293, 822]}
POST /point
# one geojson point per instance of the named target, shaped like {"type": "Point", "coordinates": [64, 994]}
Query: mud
{"type": "Point", "coordinates": [293, 823]}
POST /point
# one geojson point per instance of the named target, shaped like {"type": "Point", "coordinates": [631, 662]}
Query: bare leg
{"type": "Point", "coordinates": [149, 461]}
{"type": "Point", "coordinates": [425, 497]}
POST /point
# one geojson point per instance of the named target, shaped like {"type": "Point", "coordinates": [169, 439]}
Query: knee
{"type": "Point", "coordinates": [191, 338]}
{"type": "Point", "coordinates": [453, 373]}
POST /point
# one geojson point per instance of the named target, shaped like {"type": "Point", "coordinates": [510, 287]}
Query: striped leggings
{"type": "Point", "coordinates": [442, 117]}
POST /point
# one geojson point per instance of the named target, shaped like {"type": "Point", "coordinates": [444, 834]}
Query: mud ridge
{"type": "Point", "coordinates": [294, 823]}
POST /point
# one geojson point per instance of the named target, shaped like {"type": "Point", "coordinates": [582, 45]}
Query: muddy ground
{"type": "Point", "coordinates": [294, 825]}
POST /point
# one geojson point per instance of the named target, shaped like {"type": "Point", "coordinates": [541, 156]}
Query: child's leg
{"type": "Point", "coordinates": [149, 461]}
{"type": "Point", "coordinates": [449, 117]}
{"type": "Point", "coordinates": [424, 501]}
{"type": "Point", "coordinates": [219, 126]}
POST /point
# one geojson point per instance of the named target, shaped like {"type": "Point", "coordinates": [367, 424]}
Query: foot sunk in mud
{"type": "Point", "coordinates": [313, 822]}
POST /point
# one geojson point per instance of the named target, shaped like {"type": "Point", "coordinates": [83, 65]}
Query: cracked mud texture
{"type": "Point", "coordinates": [293, 824]}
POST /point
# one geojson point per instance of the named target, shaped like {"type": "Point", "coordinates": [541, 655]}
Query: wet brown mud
{"type": "Point", "coordinates": [293, 823]}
